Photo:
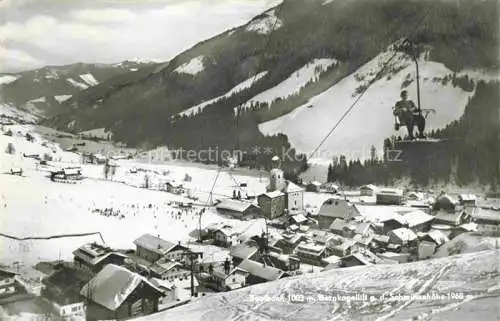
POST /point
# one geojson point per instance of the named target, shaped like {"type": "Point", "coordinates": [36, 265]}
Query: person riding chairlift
{"type": "Point", "coordinates": [407, 114]}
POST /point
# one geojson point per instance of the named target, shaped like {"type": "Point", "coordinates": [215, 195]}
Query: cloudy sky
{"type": "Point", "coordinates": [34, 33]}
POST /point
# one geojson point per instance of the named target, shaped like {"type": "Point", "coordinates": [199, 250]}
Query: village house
{"type": "Point", "coordinates": [311, 253]}
{"type": "Point", "coordinates": [415, 196]}
{"type": "Point", "coordinates": [347, 247]}
{"type": "Point", "coordinates": [467, 200]}
{"type": "Point", "coordinates": [117, 293]}
{"type": "Point", "coordinates": [261, 273]}
{"type": "Point", "coordinates": [395, 257]}
{"type": "Point", "coordinates": [324, 238]}
{"type": "Point", "coordinates": [445, 203]}
{"type": "Point", "coordinates": [335, 209]}
{"type": "Point", "coordinates": [242, 252]}
{"type": "Point", "coordinates": [313, 186]}
{"type": "Point", "coordinates": [403, 237]}
{"type": "Point", "coordinates": [294, 198]}
{"type": "Point", "coordinates": [298, 219]}
{"type": "Point", "coordinates": [70, 174]}
{"type": "Point", "coordinates": [284, 262]}
{"type": "Point", "coordinates": [10, 285]}
{"type": "Point", "coordinates": [391, 224]}
{"type": "Point", "coordinates": [418, 221]}
{"type": "Point", "coordinates": [226, 237]}
{"type": "Point", "coordinates": [174, 187]}
{"type": "Point", "coordinates": [61, 291]}
{"type": "Point", "coordinates": [379, 242]}
{"type": "Point", "coordinates": [389, 196]}
{"type": "Point", "coordinates": [368, 190]}
{"type": "Point", "coordinates": [454, 218]}
{"type": "Point", "coordinates": [331, 262]}
{"type": "Point", "coordinates": [152, 248]}
{"type": "Point", "coordinates": [487, 222]}
{"type": "Point", "coordinates": [342, 228]}
{"type": "Point", "coordinates": [365, 229]}
{"type": "Point", "coordinates": [330, 188]}
{"type": "Point", "coordinates": [170, 298]}
{"type": "Point", "coordinates": [360, 258]}
{"type": "Point", "coordinates": [429, 242]}
{"type": "Point", "coordinates": [289, 242]}
{"type": "Point", "coordinates": [169, 270]}
{"type": "Point", "coordinates": [235, 279]}
{"type": "Point", "coordinates": [92, 257]}
{"type": "Point", "coordinates": [238, 209]}
{"type": "Point", "coordinates": [272, 204]}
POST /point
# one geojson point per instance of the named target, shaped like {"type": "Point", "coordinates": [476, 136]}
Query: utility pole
{"type": "Point", "coordinates": [192, 257]}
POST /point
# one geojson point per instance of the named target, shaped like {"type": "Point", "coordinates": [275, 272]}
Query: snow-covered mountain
{"type": "Point", "coordinates": [43, 91]}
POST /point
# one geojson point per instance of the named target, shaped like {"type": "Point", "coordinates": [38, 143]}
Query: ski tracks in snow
{"type": "Point", "coordinates": [426, 286]}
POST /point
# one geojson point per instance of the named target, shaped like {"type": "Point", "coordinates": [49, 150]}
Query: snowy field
{"type": "Point", "coordinates": [192, 67]}
{"type": "Point", "coordinates": [77, 84]}
{"type": "Point", "coordinates": [265, 24]}
{"type": "Point", "coordinates": [294, 83]}
{"type": "Point", "coordinates": [371, 121]}
{"type": "Point", "coordinates": [462, 287]}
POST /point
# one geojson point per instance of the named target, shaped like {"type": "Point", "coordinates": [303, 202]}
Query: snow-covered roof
{"type": "Point", "coordinates": [315, 183]}
{"type": "Point", "coordinates": [162, 284]}
{"type": "Point", "coordinates": [378, 213]}
{"type": "Point", "coordinates": [367, 257]}
{"type": "Point", "coordinates": [369, 186]}
{"type": "Point", "coordinates": [299, 218]}
{"type": "Point", "coordinates": [437, 236]}
{"type": "Point", "coordinates": [415, 196]}
{"type": "Point", "coordinates": [338, 225]}
{"type": "Point", "coordinates": [404, 234]}
{"type": "Point", "coordinates": [417, 217]}
{"type": "Point", "coordinates": [163, 267]}
{"type": "Point", "coordinates": [310, 248]}
{"type": "Point", "coordinates": [154, 244]}
{"type": "Point", "coordinates": [93, 253]}
{"type": "Point", "coordinates": [242, 251]}
{"type": "Point", "coordinates": [450, 218]}
{"type": "Point", "coordinates": [260, 270]}
{"type": "Point", "coordinates": [348, 243]}
{"type": "Point", "coordinates": [273, 194]}
{"type": "Point", "coordinates": [390, 191]}
{"type": "Point", "coordinates": [234, 205]}
{"type": "Point", "coordinates": [467, 197]}
{"type": "Point", "coordinates": [291, 188]}
{"type": "Point", "coordinates": [363, 228]}
{"type": "Point", "coordinates": [228, 231]}
{"type": "Point", "coordinates": [112, 285]}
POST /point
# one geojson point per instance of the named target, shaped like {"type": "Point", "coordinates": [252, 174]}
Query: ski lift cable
{"type": "Point", "coordinates": [353, 105]}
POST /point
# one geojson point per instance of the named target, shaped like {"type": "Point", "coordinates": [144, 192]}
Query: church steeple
{"type": "Point", "coordinates": [276, 179]}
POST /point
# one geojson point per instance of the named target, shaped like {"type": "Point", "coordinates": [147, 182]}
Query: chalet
{"type": "Point", "coordinates": [402, 236]}
{"type": "Point", "coordinates": [487, 221]}
{"type": "Point", "coordinates": [242, 252]}
{"type": "Point", "coordinates": [455, 231]}
{"type": "Point", "coordinates": [169, 270]}
{"type": "Point", "coordinates": [62, 291]}
{"type": "Point", "coordinates": [174, 188]}
{"type": "Point", "coordinates": [415, 196]}
{"type": "Point", "coordinates": [260, 273]}
{"type": "Point", "coordinates": [170, 296]}
{"type": "Point", "coordinates": [365, 229]}
{"type": "Point", "coordinates": [238, 209]}
{"type": "Point", "coordinates": [445, 203]}
{"type": "Point", "coordinates": [294, 198]}
{"type": "Point", "coordinates": [311, 253]}
{"type": "Point", "coordinates": [92, 257]}
{"type": "Point", "coordinates": [152, 248]}
{"type": "Point", "coordinates": [345, 248]}
{"type": "Point", "coordinates": [226, 237]}
{"type": "Point", "coordinates": [418, 221]}
{"type": "Point", "coordinates": [9, 284]}
{"type": "Point", "coordinates": [335, 209]}
{"type": "Point", "coordinates": [272, 204]}
{"type": "Point", "coordinates": [16, 171]}
{"type": "Point", "coordinates": [117, 293]}
{"type": "Point", "coordinates": [324, 238]}
{"type": "Point", "coordinates": [467, 199]}
{"type": "Point", "coordinates": [313, 186]}
{"type": "Point", "coordinates": [298, 219]}
{"type": "Point", "coordinates": [394, 223]}
{"type": "Point", "coordinates": [380, 241]}
{"type": "Point", "coordinates": [368, 190]}
{"type": "Point", "coordinates": [341, 227]}
{"type": "Point", "coordinates": [360, 258]}
{"type": "Point", "coordinates": [284, 262]}
{"type": "Point", "coordinates": [74, 173]}
{"type": "Point", "coordinates": [235, 279]}
{"type": "Point", "coordinates": [389, 197]}
{"type": "Point", "coordinates": [452, 218]}
{"type": "Point", "coordinates": [331, 262]}
{"type": "Point", "coordinates": [330, 188]}
{"type": "Point", "coordinates": [289, 242]}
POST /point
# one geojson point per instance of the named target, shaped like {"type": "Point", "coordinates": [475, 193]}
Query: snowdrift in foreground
{"type": "Point", "coordinates": [371, 120]}
{"type": "Point", "coordinates": [423, 290]}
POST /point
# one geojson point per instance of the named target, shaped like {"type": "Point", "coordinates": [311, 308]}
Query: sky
{"type": "Point", "coordinates": [34, 33]}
